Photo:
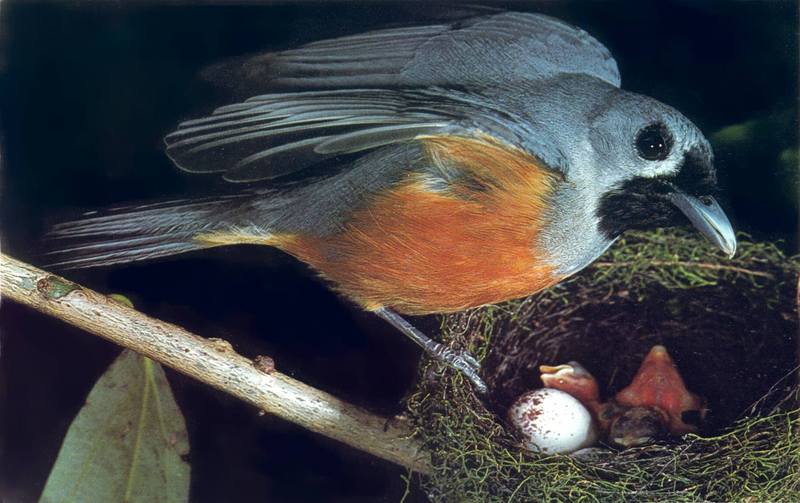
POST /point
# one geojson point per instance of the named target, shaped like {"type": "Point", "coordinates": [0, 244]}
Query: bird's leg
{"type": "Point", "coordinates": [458, 359]}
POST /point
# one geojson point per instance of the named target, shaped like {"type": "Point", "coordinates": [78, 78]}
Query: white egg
{"type": "Point", "coordinates": [551, 421]}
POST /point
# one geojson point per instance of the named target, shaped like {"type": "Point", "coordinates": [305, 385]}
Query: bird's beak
{"type": "Point", "coordinates": [707, 216]}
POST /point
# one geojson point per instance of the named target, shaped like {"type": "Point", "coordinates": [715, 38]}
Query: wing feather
{"type": "Point", "coordinates": [252, 147]}
{"type": "Point", "coordinates": [498, 48]}
{"type": "Point", "coordinates": [289, 132]}
{"type": "Point", "coordinates": [374, 89]}
{"type": "Point", "coordinates": [359, 141]}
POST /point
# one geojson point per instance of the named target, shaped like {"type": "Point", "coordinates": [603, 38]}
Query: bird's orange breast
{"type": "Point", "coordinates": [419, 250]}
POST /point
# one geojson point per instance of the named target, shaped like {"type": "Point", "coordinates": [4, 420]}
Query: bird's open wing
{"type": "Point", "coordinates": [383, 87]}
{"type": "Point", "coordinates": [498, 48]}
{"type": "Point", "coordinates": [273, 135]}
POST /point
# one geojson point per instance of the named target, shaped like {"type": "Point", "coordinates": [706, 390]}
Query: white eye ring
{"type": "Point", "coordinates": [653, 142]}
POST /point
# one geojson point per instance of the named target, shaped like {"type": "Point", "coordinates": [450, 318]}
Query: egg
{"type": "Point", "coordinates": [551, 421]}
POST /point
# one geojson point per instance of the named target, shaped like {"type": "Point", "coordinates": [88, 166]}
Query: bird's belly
{"type": "Point", "coordinates": [421, 252]}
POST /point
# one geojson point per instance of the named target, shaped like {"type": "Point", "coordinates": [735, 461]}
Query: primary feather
{"type": "Point", "coordinates": [486, 50]}
{"type": "Point", "coordinates": [273, 135]}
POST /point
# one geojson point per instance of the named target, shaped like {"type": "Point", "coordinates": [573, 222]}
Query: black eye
{"type": "Point", "coordinates": [653, 142]}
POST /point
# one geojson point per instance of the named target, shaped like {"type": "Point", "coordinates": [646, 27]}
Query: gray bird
{"type": "Point", "coordinates": [428, 169]}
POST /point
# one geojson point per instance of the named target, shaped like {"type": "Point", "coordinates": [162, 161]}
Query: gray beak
{"type": "Point", "coordinates": [707, 216]}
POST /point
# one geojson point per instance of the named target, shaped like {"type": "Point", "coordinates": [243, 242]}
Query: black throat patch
{"type": "Point", "coordinates": [643, 203]}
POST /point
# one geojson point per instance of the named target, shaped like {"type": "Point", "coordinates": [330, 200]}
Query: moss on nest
{"type": "Point", "coordinates": [731, 326]}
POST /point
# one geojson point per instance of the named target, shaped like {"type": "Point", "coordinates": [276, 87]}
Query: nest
{"type": "Point", "coordinates": [730, 325]}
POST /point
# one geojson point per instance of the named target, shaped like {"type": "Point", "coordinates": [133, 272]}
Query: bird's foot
{"type": "Point", "coordinates": [462, 361]}
{"type": "Point", "coordinates": [458, 359]}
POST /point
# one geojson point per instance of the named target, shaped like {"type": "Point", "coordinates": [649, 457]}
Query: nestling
{"type": "Point", "coordinates": [427, 169]}
{"type": "Point", "coordinates": [654, 404]}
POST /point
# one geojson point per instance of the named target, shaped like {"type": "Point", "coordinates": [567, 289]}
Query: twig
{"type": "Point", "coordinates": [213, 362]}
{"type": "Point", "coordinates": [698, 265]}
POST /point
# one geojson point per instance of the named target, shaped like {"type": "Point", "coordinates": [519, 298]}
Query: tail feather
{"type": "Point", "coordinates": [135, 233]}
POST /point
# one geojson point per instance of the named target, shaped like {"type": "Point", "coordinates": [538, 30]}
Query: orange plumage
{"type": "Point", "coordinates": [419, 250]}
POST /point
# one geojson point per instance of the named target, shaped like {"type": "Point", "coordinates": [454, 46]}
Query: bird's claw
{"type": "Point", "coordinates": [465, 363]}
{"type": "Point", "coordinates": [458, 359]}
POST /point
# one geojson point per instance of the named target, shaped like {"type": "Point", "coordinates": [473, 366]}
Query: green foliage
{"type": "Point", "coordinates": [121, 299]}
{"type": "Point", "coordinates": [758, 158]}
{"type": "Point", "coordinates": [747, 303]}
{"type": "Point", "coordinates": [54, 287]}
{"type": "Point", "coordinates": [127, 442]}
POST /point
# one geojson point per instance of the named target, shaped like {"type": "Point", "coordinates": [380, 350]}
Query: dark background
{"type": "Point", "coordinates": [89, 89]}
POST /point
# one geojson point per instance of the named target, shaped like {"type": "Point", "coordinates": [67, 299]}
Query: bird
{"type": "Point", "coordinates": [658, 384]}
{"type": "Point", "coordinates": [654, 404]}
{"type": "Point", "coordinates": [426, 169]}
{"type": "Point", "coordinates": [619, 425]}
{"type": "Point", "coordinates": [573, 378]}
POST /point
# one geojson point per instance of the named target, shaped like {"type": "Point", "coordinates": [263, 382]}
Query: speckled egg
{"type": "Point", "coordinates": [551, 421]}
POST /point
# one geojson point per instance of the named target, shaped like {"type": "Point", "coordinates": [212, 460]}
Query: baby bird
{"type": "Point", "coordinates": [654, 404]}
{"type": "Point", "coordinates": [658, 384]}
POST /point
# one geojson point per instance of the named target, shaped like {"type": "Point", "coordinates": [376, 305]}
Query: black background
{"type": "Point", "coordinates": [89, 90]}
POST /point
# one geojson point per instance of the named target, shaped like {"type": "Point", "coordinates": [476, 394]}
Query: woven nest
{"type": "Point", "coordinates": [730, 325]}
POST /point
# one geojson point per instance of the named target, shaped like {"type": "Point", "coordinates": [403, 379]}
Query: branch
{"type": "Point", "coordinates": [213, 362]}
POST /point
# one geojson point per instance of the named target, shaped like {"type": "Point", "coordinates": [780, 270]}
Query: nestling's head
{"type": "Point", "coordinates": [659, 169]}
{"type": "Point", "coordinates": [574, 379]}
{"type": "Point", "coordinates": [637, 426]}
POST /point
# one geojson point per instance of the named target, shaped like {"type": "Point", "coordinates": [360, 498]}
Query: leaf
{"type": "Point", "coordinates": [127, 442]}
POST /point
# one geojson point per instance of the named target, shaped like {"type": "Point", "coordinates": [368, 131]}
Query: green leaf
{"type": "Point", "coordinates": [127, 442]}
{"type": "Point", "coordinates": [118, 297]}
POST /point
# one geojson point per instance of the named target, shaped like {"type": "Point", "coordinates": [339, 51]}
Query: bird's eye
{"type": "Point", "coordinates": [653, 142]}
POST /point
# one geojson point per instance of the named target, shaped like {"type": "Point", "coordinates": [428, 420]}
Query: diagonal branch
{"type": "Point", "coordinates": [213, 362]}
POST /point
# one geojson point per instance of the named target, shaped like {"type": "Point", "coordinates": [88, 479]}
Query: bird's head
{"type": "Point", "coordinates": [637, 426]}
{"type": "Point", "coordinates": [574, 379]}
{"type": "Point", "coordinates": [658, 168]}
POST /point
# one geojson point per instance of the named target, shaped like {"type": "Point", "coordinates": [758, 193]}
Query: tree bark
{"type": "Point", "coordinates": [212, 361]}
